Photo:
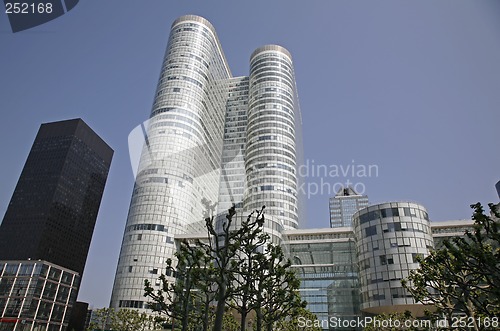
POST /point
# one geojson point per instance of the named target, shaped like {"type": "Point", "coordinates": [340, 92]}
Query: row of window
{"type": "Point", "coordinates": [132, 304]}
{"type": "Point", "coordinates": [391, 227]}
{"type": "Point", "coordinates": [392, 212]}
{"type": "Point", "coordinates": [146, 226]}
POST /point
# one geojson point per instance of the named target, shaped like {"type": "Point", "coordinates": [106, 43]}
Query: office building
{"type": "Point", "coordinates": [46, 232]}
{"type": "Point", "coordinates": [36, 295]}
{"type": "Point", "coordinates": [335, 280]}
{"type": "Point", "coordinates": [442, 231]}
{"type": "Point", "coordinates": [326, 263]}
{"type": "Point", "coordinates": [212, 140]}
{"type": "Point", "coordinates": [389, 237]}
{"type": "Point", "coordinates": [53, 210]}
{"type": "Point", "coordinates": [343, 205]}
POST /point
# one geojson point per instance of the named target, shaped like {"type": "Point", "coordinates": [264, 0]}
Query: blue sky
{"type": "Point", "coordinates": [409, 86]}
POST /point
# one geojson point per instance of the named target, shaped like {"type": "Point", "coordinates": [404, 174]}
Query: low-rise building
{"type": "Point", "coordinates": [36, 295]}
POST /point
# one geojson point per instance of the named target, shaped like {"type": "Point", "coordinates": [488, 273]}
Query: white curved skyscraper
{"type": "Point", "coordinates": [211, 141]}
{"type": "Point", "coordinates": [271, 158]}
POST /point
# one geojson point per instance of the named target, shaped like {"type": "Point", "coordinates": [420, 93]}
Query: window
{"type": "Point", "coordinates": [371, 230]}
{"type": "Point", "coordinates": [383, 260]}
{"type": "Point", "coordinates": [410, 211]}
{"type": "Point", "coordinates": [388, 212]}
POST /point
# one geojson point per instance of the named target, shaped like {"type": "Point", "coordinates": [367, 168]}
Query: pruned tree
{"type": "Point", "coordinates": [132, 320]}
{"type": "Point", "coordinates": [303, 320]}
{"type": "Point", "coordinates": [252, 242]}
{"type": "Point", "coordinates": [124, 320]}
{"type": "Point", "coordinates": [100, 319]}
{"type": "Point", "coordinates": [185, 301]}
{"type": "Point", "coordinates": [463, 276]}
{"type": "Point", "coordinates": [238, 269]}
{"type": "Point", "coordinates": [223, 247]}
{"type": "Point", "coordinates": [277, 295]}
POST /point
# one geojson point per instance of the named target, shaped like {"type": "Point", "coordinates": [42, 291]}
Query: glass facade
{"type": "Point", "coordinates": [389, 237]}
{"type": "Point", "coordinates": [233, 178]}
{"type": "Point", "coordinates": [212, 141]}
{"type": "Point", "coordinates": [325, 261]}
{"type": "Point", "coordinates": [271, 158]}
{"type": "Point", "coordinates": [179, 169]}
{"type": "Point", "coordinates": [343, 205]}
{"type": "Point", "coordinates": [36, 295]}
{"type": "Point", "coordinates": [53, 210]}
{"type": "Point", "coordinates": [346, 274]}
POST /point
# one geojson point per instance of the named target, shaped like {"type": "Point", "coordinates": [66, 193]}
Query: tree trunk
{"type": "Point", "coordinates": [258, 319]}
{"type": "Point", "coordinates": [206, 315]}
{"type": "Point", "coordinates": [243, 321]}
{"type": "Point", "coordinates": [185, 318]}
{"type": "Point", "coordinates": [471, 313]}
{"type": "Point", "coordinates": [221, 305]}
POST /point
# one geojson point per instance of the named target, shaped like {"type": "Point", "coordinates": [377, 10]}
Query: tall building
{"type": "Point", "coordinates": [53, 210]}
{"type": "Point", "coordinates": [497, 186]}
{"type": "Point", "coordinates": [46, 232]}
{"type": "Point", "coordinates": [212, 140]}
{"type": "Point", "coordinates": [343, 205]}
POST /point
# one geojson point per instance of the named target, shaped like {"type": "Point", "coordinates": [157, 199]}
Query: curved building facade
{"type": "Point", "coordinates": [179, 168]}
{"type": "Point", "coordinates": [212, 140]}
{"type": "Point", "coordinates": [389, 237]}
{"type": "Point", "coordinates": [271, 150]}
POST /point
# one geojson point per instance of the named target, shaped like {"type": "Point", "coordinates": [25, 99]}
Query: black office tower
{"type": "Point", "coordinates": [53, 210]}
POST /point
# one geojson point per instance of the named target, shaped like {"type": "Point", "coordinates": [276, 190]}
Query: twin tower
{"type": "Point", "coordinates": [212, 141]}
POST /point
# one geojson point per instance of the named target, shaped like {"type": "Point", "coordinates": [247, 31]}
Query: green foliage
{"type": "Point", "coordinates": [100, 319]}
{"type": "Point", "coordinates": [186, 301]}
{"type": "Point", "coordinates": [278, 287]}
{"type": "Point", "coordinates": [464, 276]}
{"type": "Point", "coordinates": [124, 320]}
{"type": "Point", "coordinates": [238, 269]}
{"type": "Point", "coordinates": [292, 324]}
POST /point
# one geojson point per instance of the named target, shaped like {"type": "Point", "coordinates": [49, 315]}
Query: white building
{"type": "Point", "coordinates": [211, 141]}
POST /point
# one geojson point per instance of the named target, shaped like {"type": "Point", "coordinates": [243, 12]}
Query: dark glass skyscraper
{"type": "Point", "coordinates": [53, 210]}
